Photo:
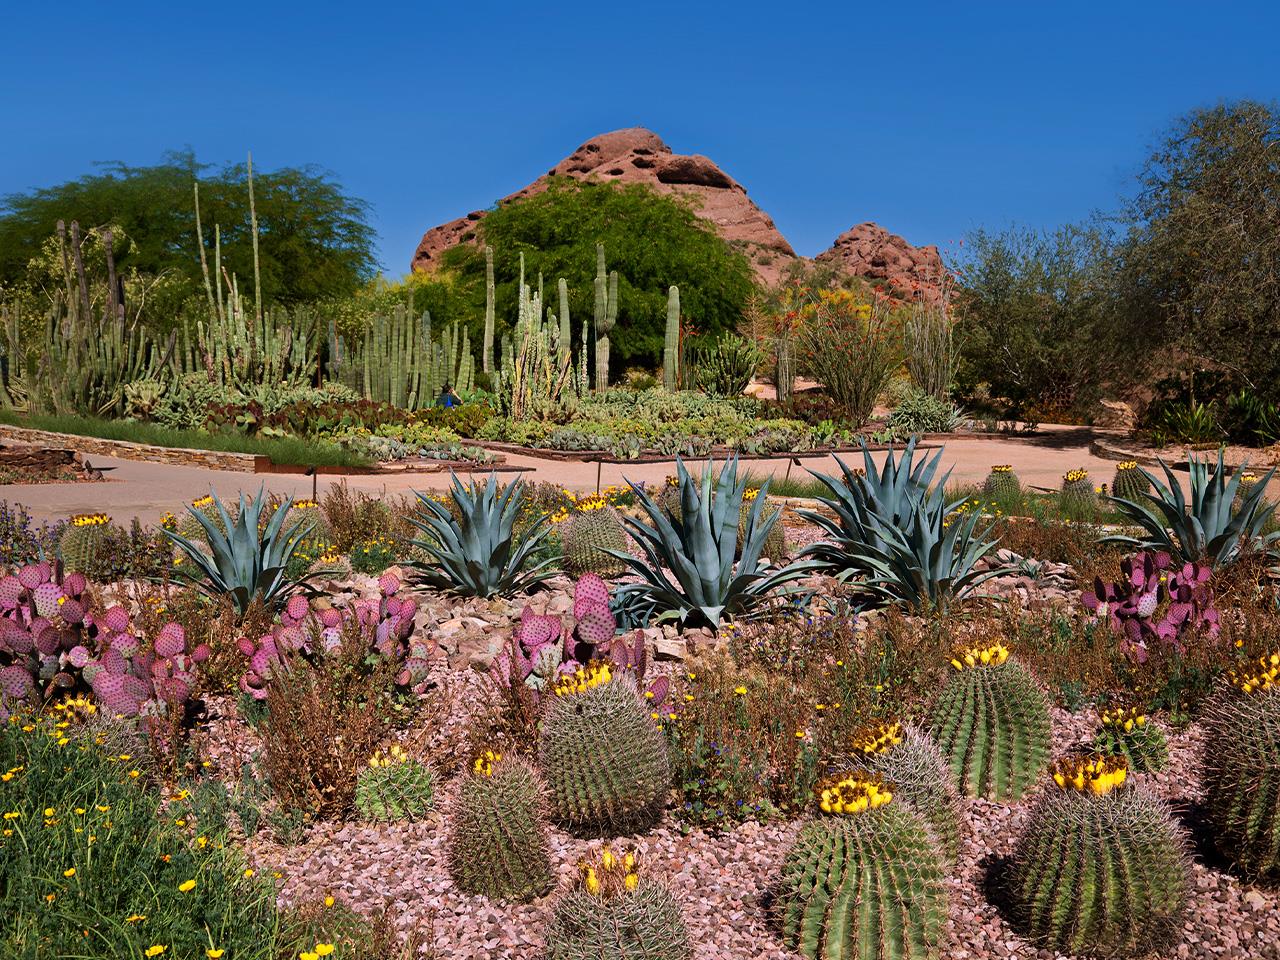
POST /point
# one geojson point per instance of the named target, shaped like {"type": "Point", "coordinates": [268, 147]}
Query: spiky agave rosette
{"type": "Point", "coordinates": [1100, 868]}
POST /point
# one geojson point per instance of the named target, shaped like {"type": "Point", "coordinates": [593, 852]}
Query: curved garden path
{"type": "Point", "coordinates": [147, 490]}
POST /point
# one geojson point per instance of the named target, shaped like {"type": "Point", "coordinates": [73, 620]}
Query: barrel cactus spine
{"type": "Point", "coordinates": [1241, 769]}
{"type": "Point", "coordinates": [1128, 732]}
{"type": "Point", "coordinates": [1078, 498]}
{"type": "Point", "coordinates": [588, 534]}
{"type": "Point", "coordinates": [614, 910]}
{"type": "Point", "coordinates": [864, 879]}
{"type": "Point", "coordinates": [991, 723]}
{"type": "Point", "coordinates": [1002, 484]}
{"type": "Point", "coordinates": [1100, 868]}
{"type": "Point", "coordinates": [84, 541]}
{"type": "Point", "coordinates": [1130, 482]}
{"type": "Point", "coordinates": [394, 787]}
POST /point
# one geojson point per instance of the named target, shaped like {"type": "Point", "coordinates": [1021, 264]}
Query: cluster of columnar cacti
{"type": "Point", "coordinates": [497, 841]}
{"type": "Point", "coordinates": [312, 629]}
{"type": "Point", "coordinates": [604, 760]}
{"type": "Point", "coordinates": [1100, 868]}
{"type": "Point", "coordinates": [864, 879]}
{"type": "Point", "coordinates": [616, 912]}
{"type": "Point", "coordinates": [1128, 732]}
{"type": "Point", "coordinates": [588, 534]}
{"type": "Point", "coordinates": [51, 640]}
{"type": "Point", "coordinates": [83, 540]}
{"type": "Point", "coordinates": [671, 342]}
{"type": "Point", "coordinates": [1242, 769]}
{"type": "Point", "coordinates": [394, 786]}
{"type": "Point", "coordinates": [991, 722]}
{"type": "Point", "coordinates": [775, 544]}
{"type": "Point", "coordinates": [1078, 497]}
{"type": "Point", "coordinates": [606, 315]}
{"type": "Point", "coordinates": [903, 755]}
{"type": "Point", "coordinates": [1130, 481]}
{"type": "Point", "coordinates": [490, 315]}
{"type": "Point", "coordinates": [1002, 484]}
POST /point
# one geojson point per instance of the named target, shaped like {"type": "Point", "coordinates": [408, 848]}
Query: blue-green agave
{"type": "Point", "coordinates": [248, 561]}
{"type": "Point", "coordinates": [688, 572]}
{"type": "Point", "coordinates": [1205, 528]}
{"type": "Point", "coordinates": [478, 552]}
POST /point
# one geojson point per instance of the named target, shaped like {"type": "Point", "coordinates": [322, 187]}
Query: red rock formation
{"type": "Point", "coordinates": [869, 250]}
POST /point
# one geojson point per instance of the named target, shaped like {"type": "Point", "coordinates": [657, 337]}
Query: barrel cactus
{"type": "Point", "coordinates": [1127, 732]}
{"type": "Point", "coordinates": [1100, 868]}
{"type": "Point", "coordinates": [775, 544]}
{"type": "Point", "coordinates": [394, 787]}
{"type": "Point", "coordinates": [1130, 482]}
{"type": "Point", "coordinates": [83, 542]}
{"type": "Point", "coordinates": [190, 528]}
{"type": "Point", "coordinates": [1242, 769]}
{"type": "Point", "coordinates": [587, 536]}
{"type": "Point", "coordinates": [614, 912]}
{"type": "Point", "coordinates": [497, 843]}
{"type": "Point", "coordinates": [1078, 498]}
{"type": "Point", "coordinates": [604, 761]}
{"type": "Point", "coordinates": [991, 722]}
{"type": "Point", "coordinates": [1002, 484]}
{"type": "Point", "coordinates": [864, 879]}
{"type": "Point", "coordinates": [903, 755]}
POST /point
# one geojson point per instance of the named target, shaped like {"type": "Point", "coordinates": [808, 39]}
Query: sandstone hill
{"type": "Point", "coordinates": [637, 155]}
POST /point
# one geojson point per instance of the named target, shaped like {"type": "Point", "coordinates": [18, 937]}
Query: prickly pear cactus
{"type": "Point", "coordinates": [615, 912]}
{"type": "Point", "coordinates": [394, 787]}
{"type": "Point", "coordinates": [84, 541]}
{"type": "Point", "coordinates": [1242, 769]}
{"type": "Point", "coordinates": [1128, 732]}
{"type": "Point", "coordinates": [1130, 482]}
{"type": "Point", "coordinates": [604, 761]}
{"type": "Point", "coordinates": [1079, 498]}
{"type": "Point", "coordinates": [587, 537]}
{"type": "Point", "coordinates": [905, 756]}
{"type": "Point", "coordinates": [864, 879]}
{"type": "Point", "coordinates": [497, 843]}
{"type": "Point", "coordinates": [991, 723]}
{"type": "Point", "coordinates": [1100, 868]}
{"type": "Point", "coordinates": [1002, 484]}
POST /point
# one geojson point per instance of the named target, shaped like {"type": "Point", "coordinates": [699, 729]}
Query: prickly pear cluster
{"type": "Point", "coordinates": [51, 639]}
{"type": "Point", "coordinates": [313, 629]}
{"type": "Point", "coordinates": [614, 910]}
{"type": "Point", "coordinates": [1127, 732]}
{"type": "Point", "coordinates": [393, 787]}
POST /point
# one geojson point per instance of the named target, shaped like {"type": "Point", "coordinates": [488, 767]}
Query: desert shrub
{"type": "Point", "coordinates": [931, 348]}
{"type": "Point", "coordinates": [352, 936]}
{"type": "Point", "coordinates": [21, 540]}
{"type": "Point", "coordinates": [853, 347]}
{"type": "Point", "coordinates": [920, 412]}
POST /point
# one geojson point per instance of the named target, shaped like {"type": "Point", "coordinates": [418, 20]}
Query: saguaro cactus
{"type": "Point", "coordinates": [486, 348]}
{"type": "Point", "coordinates": [566, 335]}
{"type": "Point", "coordinates": [606, 316]}
{"type": "Point", "coordinates": [671, 344]}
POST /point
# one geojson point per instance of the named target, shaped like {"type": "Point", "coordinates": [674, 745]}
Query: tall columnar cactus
{"type": "Point", "coordinates": [394, 787]}
{"type": "Point", "coordinates": [991, 722]}
{"type": "Point", "coordinates": [1130, 483]}
{"type": "Point", "coordinates": [83, 541]}
{"type": "Point", "coordinates": [1128, 732]}
{"type": "Point", "coordinates": [400, 361]}
{"type": "Point", "coordinates": [614, 912]}
{"type": "Point", "coordinates": [864, 880]}
{"type": "Point", "coordinates": [1100, 868]}
{"type": "Point", "coordinates": [497, 843]}
{"type": "Point", "coordinates": [486, 348]}
{"type": "Point", "coordinates": [587, 536]}
{"type": "Point", "coordinates": [903, 755]}
{"type": "Point", "coordinates": [671, 342]}
{"type": "Point", "coordinates": [1078, 498]}
{"type": "Point", "coordinates": [1002, 484]}
{"type": "Point", "coordinates": [606, 315]}
{"type": "Point", "coordinates": [566, 332]}
{"type": "Point", "coordinates": [1242, 769]}
{"type": "Point", "coordinates": [604, 761]}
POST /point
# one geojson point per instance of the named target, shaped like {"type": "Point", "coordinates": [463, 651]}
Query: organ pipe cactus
{"type": "Point", "coordinates": [671, 342]}
{"type": "Point", "coordinates": [864, 879]}
{"type": "Point", "coordinates": [991, 723]}
{"type": "Point", "coordinates": [606, 315]}
{"type": "Point", "coordinates": [614, 911]}
{"type": "Point", "coordinates": [1242, 769]}
{"type": "Point", "coordinates": [1100, 868]}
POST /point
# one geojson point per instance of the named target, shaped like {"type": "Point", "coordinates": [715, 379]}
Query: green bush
{"type": "Point", "coordinates": [920, 412]}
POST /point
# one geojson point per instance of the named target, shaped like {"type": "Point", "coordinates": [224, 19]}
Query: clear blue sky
{"type": "Point", "coordinates": [931, 119]}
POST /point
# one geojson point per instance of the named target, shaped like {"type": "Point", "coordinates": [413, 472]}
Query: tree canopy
{"type": "Point", "coordinates": [652, 240]}
{"type": "Point", "coordinates": [315, 241]}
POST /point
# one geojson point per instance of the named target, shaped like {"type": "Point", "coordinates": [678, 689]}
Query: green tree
{"type": "Point", "coordinates": [315, 240]}
{"type": "Point", "coordinates": [1202, 261]}
{"type": "Point", "coordinates": [652, 240]}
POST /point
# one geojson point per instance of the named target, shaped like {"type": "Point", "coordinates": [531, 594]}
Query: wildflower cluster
{"type": "Point", "coordinates": [1002, 468]}
{"type": "Point", "coordinates": [1123, 718]}
{"type": "Point", "coordinates": [609, 875]}
{"type": "Point", "coordinates": [879, 738]}
{"type": "Point", "coordinates": [1263, 678]}
{"type": "Point", "coordinates": [610, 496]}
{"type": "Point", "coordinates": [1092, 774]}
{"type": "Point", "coordinates": [395, 755]}
{"type": "Point", "coordinates": [991, 656]}
{"type": "Point", "coordinates": [1127, 465]}
{"type": "Point", "coordinates": [79, 707]}
{"type": "Point", "coordinates": [90, 520]}
{"type": "Point", "coordinates": [594, 674]}
{"type": "Point", "coordinates": [484, 764]}
{"type": "Point", "coordinates": [852, 794]}
{"type": "Point", "coordinates": [1075, 476]}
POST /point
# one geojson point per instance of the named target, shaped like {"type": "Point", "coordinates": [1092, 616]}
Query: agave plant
{"type": "Point", "coordinates": [688, 571]}
{"type": "Point", "coordinates": [1205, 528]}
{"type": "Point", "coordinates": [478, 552]}
{"type": "Point", "coordinates": [248, 560]}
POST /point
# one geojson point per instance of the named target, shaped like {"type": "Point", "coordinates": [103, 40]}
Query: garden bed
{"type": "Point", "coordinates": [652, 456]}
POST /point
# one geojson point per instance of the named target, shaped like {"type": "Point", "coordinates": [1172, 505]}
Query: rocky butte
{"type": "Point", "coordinates": [637, 155]}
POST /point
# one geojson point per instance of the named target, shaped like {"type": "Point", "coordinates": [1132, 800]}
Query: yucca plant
{"type": "Point", "coordinates": [688, 571]}
{"type": "Point", "coordinates": [478, 552]}
{"type": "Point", "coordinates": [246, 559]}
{"type": "Point", "coordinates": [1206, 528]}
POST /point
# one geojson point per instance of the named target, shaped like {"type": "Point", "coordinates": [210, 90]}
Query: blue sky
{"type": "Point", "coordinates": [931, 119]}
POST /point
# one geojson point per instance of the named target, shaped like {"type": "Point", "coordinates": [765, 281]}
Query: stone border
{"type": "Point", "coordinates": [127, 450]}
